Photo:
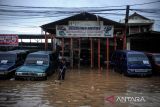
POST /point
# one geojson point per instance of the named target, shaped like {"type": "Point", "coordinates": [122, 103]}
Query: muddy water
{"type": "Point", "coordinates": [81, 88]}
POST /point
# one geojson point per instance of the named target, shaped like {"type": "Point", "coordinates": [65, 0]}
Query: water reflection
{"type": "Point", "coordinates": [84, 87]}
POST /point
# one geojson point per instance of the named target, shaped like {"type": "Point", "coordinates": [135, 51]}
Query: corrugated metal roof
{"type": "Point", "coordinates": [145, 35]}
{"type": "Point", "coordinates": [51, 27]}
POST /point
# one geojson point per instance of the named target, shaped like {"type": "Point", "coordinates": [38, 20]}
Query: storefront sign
{"type": "Point", "coordinates": [84, 31]}
{"type": "Point", "coordinates": [86, 23]}
{"type": "Point", "coordinates": [8, 40]}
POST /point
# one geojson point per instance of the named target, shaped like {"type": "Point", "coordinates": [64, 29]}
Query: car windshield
{"type": "Point", "coordinates": [37, 60]}
{"type": "Point", "coordinates": [137, 59]}
{"type": "Point", "coordinates": [7, 58]}
{"type": "Point", "coordinates": [157, 59]}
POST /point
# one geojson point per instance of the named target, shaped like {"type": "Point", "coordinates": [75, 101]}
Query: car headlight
{"type": "Point", "coordinates": [18, 73]}
{"type": "Point", "coordinates": [41, 74]}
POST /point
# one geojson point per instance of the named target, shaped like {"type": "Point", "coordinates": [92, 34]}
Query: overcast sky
{"type": "Point", "coordinates": [23, 22]}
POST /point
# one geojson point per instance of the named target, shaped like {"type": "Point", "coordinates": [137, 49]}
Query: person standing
{"type": "Point", "coordinates": [62, 69]}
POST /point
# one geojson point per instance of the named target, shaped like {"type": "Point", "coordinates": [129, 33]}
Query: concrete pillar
{"type": "Point", "coordinates": [128, 44]}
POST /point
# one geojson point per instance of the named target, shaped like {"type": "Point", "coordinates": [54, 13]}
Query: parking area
{"type": "Point", "coordinates": [82, 88]}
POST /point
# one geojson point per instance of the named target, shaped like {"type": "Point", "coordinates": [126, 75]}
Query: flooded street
{"type": "Point", "coordinates": [81, 88]}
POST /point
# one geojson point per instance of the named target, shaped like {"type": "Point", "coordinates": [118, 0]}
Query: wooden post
{"type": "Point", "coordinates": [41, 31]}
{"type": "Point", "coordinates": [46, 42]}
{"type": "Point", "coordinates": [62, 47]}
{"type": "Point", "coordinates": [79, 54]}
{"type": "Point", "coordinates": [21, 43]}
{"type": "Point", "coordinates": [41, 39]}
{"type": "Point", "coordinates": [126, 26]}
{"type": "Point", "coordinates": [107, 63]}
{"type": "Point", "coordinates": [93, 52]}
{"type": "Point", "coordinates": [99, 49]}
{"type": "Point", "coordinates": [71, 43]}
{"type": "Point", "coordinates": [91, 46]}
{"type": "Point", "coordinates": [30, 41]}
{"type": "Point", "coordinates": [124, 41]}
{"type": "Point", "coordinates": [107, 45]}
{"type": "Point", "coordinates": [115, 42]}
{"type": "Point", "coordinates": [52, 42]}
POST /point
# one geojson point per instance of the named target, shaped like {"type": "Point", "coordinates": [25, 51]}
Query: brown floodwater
{"type": "Point", "coordinates": [81, 88]}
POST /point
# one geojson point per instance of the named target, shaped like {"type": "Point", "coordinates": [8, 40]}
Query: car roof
{"type": "Point", "coordinates": [153, 53]}
{"type": "Point", "coordinates": [42, 52]}
{"type": "Point", "coordinates": [130, 51]}
{"type": "Point", "coordinates": [19, 51]}
{"type": "Point", "coordinates": [135, 52]}
{"type": "Point", "coordinates": [6, 52]}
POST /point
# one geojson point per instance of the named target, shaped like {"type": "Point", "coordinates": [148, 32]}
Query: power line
{"type": "Point", "coordinates": [118, 14]}
{"type": "Point", "coordinates": [61, 10]}
{"type": "Point", "coordinates": [58, 11]}
{"type": "Point", "coordinates": [13, 14]}
{"type": "Point", "coordinates": [3, 5]}
{"type": "Point", "coordinates": [8, 13]}
{"type": "Point", "coordinates": [22, 26]}
{"type": "Point", "coordinates": [29, 12]}
{"type": "Point", "coordinates": [32, 17]}
{"type": "Point", "coordinates": [145, 3]}
{"type": "Point", "coordinates": [39, 7]}
{"type": "Point", "coordinates": [156, 11]}
{"type": "Point", "coordinates": [51, 16]}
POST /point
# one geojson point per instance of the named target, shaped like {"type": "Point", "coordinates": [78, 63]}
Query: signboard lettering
{"type": "Point", "coordinates": [84, 31]}
{"type": "Point", "coordinates": [8, 40]}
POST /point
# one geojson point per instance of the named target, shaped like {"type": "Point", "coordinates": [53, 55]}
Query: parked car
{"type": "Point", "coordinates": [154, 59]}
{"type": "Point", "coordinates": [131, 63]}
{"type": "Point", "coordinates": [38, 65]}
{"type": "Point", "coordinates": [10, 61]}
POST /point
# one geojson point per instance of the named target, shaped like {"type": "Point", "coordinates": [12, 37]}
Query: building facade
{"type": "Point", "coordinates": [85, 38]}
{"type": "Point", "coordinates": [138, 24]}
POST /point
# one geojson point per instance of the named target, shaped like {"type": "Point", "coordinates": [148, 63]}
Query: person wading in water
{"type": "Point", "coordinates": [62, 69]}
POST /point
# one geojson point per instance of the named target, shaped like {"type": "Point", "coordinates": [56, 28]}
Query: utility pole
{"type": "Point", "coordinates": [126, 26]}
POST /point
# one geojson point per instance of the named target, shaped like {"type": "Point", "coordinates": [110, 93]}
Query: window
{"type": "Point", "coordinates": [37, 59]}
{"type": "Point", "coordinates": [8, 58]}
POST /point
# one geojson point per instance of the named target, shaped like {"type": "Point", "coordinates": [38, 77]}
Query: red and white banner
{"type": "Point", "coordinates": [8, 40]}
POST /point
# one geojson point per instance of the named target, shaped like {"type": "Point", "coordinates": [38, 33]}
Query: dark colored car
{"type": "Point", "coordinates": [154, 59]}
{"type": "Point", "coordinates": [131, 63]}
{"type": "Point", "coordinates": [10, 61]}
{"type": "Point", "coordinates": [38, 65]}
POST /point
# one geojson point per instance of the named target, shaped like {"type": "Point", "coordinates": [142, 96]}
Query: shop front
{"type": "Point", "coordinates": [85, 39]}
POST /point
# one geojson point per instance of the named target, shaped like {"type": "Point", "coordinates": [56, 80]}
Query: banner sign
{"type": "Point", "coordinates": [84, 31]}
{"type": "Point", "coordinates": [8, 40]}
